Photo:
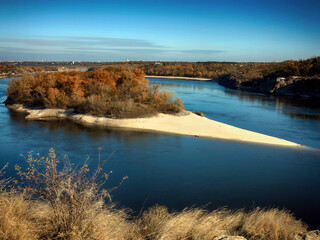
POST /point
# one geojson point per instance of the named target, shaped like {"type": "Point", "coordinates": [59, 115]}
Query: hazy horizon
{"type": "Point", "coordinates": [231, 31]}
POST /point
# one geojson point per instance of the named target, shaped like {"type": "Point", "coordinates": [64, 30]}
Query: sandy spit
{"type": "Point", "coordinates": [182, 78]}
{"type": "Point", "coordinates": [185, 123]}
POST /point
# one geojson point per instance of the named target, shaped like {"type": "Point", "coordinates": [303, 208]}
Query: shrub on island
{"type": "Point", "coordinates": [110, 92]}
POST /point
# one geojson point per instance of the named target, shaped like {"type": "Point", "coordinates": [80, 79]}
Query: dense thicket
{"type": "Point", "coordinates": [309, 67]}
{"type": "Point", "coordinates": [111, 92]}
{"type": "Point", "coordinates": [188, 69]}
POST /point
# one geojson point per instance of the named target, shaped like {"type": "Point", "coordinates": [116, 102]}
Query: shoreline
{"type": "Point", "coordinates": [182, 78]}
{"type": "Point", "coordinates": [300, 87]}
{"type": "Point", "coordinates": [184, 123]}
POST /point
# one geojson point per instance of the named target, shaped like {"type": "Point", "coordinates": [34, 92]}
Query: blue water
{"type": "Point", "coordinates": [179, 171]}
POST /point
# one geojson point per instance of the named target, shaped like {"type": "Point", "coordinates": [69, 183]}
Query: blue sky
{"type": "Point", "coordinates": [96, 30]}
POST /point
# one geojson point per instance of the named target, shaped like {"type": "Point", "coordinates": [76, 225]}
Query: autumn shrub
{"type": "Point", "coordinates": [111, 92]}
{"type": "Point", "coordinates": [72, 202]}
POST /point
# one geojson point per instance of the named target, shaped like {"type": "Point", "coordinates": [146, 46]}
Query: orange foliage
{"type": "Point", "coordinates": [113, 92]}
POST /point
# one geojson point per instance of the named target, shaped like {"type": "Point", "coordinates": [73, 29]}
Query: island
{"type": "Point", "coordinates": [116, 97]}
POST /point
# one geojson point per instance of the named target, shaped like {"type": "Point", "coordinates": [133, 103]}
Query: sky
{"type": "Point", "coordinates": [163, 30]}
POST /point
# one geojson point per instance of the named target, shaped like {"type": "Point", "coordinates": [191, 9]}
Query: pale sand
{"type": "Point", "coordinates": [182, 78]}
{"type": "Point", "coordinates": [185, 123]}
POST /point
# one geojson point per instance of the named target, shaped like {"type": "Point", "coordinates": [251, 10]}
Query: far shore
{"type": "Point", "coordinates": [184, 123]}
{"type": "Point", "coordinates": [147, 76]}
{"type": "Point", "coordinates": [56, 71]}
{"type": "Point", "coordinates": [182, 78]}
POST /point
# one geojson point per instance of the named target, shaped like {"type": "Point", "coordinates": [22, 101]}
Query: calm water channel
{"type": "Point", "coordinates": [179, 171]}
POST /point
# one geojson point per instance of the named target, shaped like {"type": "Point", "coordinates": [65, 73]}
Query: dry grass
{"type": "Point", "coordinates": [23, 219]}
{"type": "Point", "coordinates": [194, 223]}
{"type": "Point", "coordinates": [16, 221]}
{"type": "Point", "coordinates": [271, 224]}
{"type": "Point", "coordinates": [99, 222]}
{"type": "Point", "coordinates": [67, 204]}
{"type": "Point", "coordinates": [37, 220]}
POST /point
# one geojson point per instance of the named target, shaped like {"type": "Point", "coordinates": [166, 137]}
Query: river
{"type": "Point", "coordinates": [181, 171]}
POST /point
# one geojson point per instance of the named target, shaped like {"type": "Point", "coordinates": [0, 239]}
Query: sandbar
{"type": "Point", "coordinates": [182, 78]}
{"type": "Point", "coordinates": [184, 123]}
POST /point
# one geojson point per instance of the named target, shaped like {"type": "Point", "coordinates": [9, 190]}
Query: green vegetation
{"type": "Point", "coordinates": [110, 92]}
{"type": "Point", "coordinates": [57, 201]}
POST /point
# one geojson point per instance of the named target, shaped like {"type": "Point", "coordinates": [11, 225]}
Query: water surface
{"type": "Point", "coordinates": [181, 171]}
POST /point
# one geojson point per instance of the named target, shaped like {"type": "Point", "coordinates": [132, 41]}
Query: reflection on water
{"type": "Point", "coordinates": [185, 86]}
{"type": "Point", "coordinates": [305, 116]}
{"type": "Point", "coordinates": [70, 127]}
{"type": "Point", "coordinates": [283, 105]}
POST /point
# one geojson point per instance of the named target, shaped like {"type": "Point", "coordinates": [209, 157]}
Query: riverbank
{"type": "Point", "coordinates": [182, 78]}
{"type": "Point", "coordinates": [184, 123]}
{"type": "Point", "coordinates": [300, 87]}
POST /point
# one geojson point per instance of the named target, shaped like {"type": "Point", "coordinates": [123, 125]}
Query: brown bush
{"type": "Point", "coordinates": [69, 203]}
{"type": "Point", "coordinates": [111, 92]}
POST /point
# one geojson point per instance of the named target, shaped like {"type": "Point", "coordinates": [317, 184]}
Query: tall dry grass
{"type": "Point", "coordinates": [17, 217]}
{"type": "Point", "coordinates": [23, 219]}
{"type": "Point", "coordinates": [15, 213]}
{"type": "Point", "coordinates": [67, 203]}
{"type": "Point", "coordinates": [199, 224]}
